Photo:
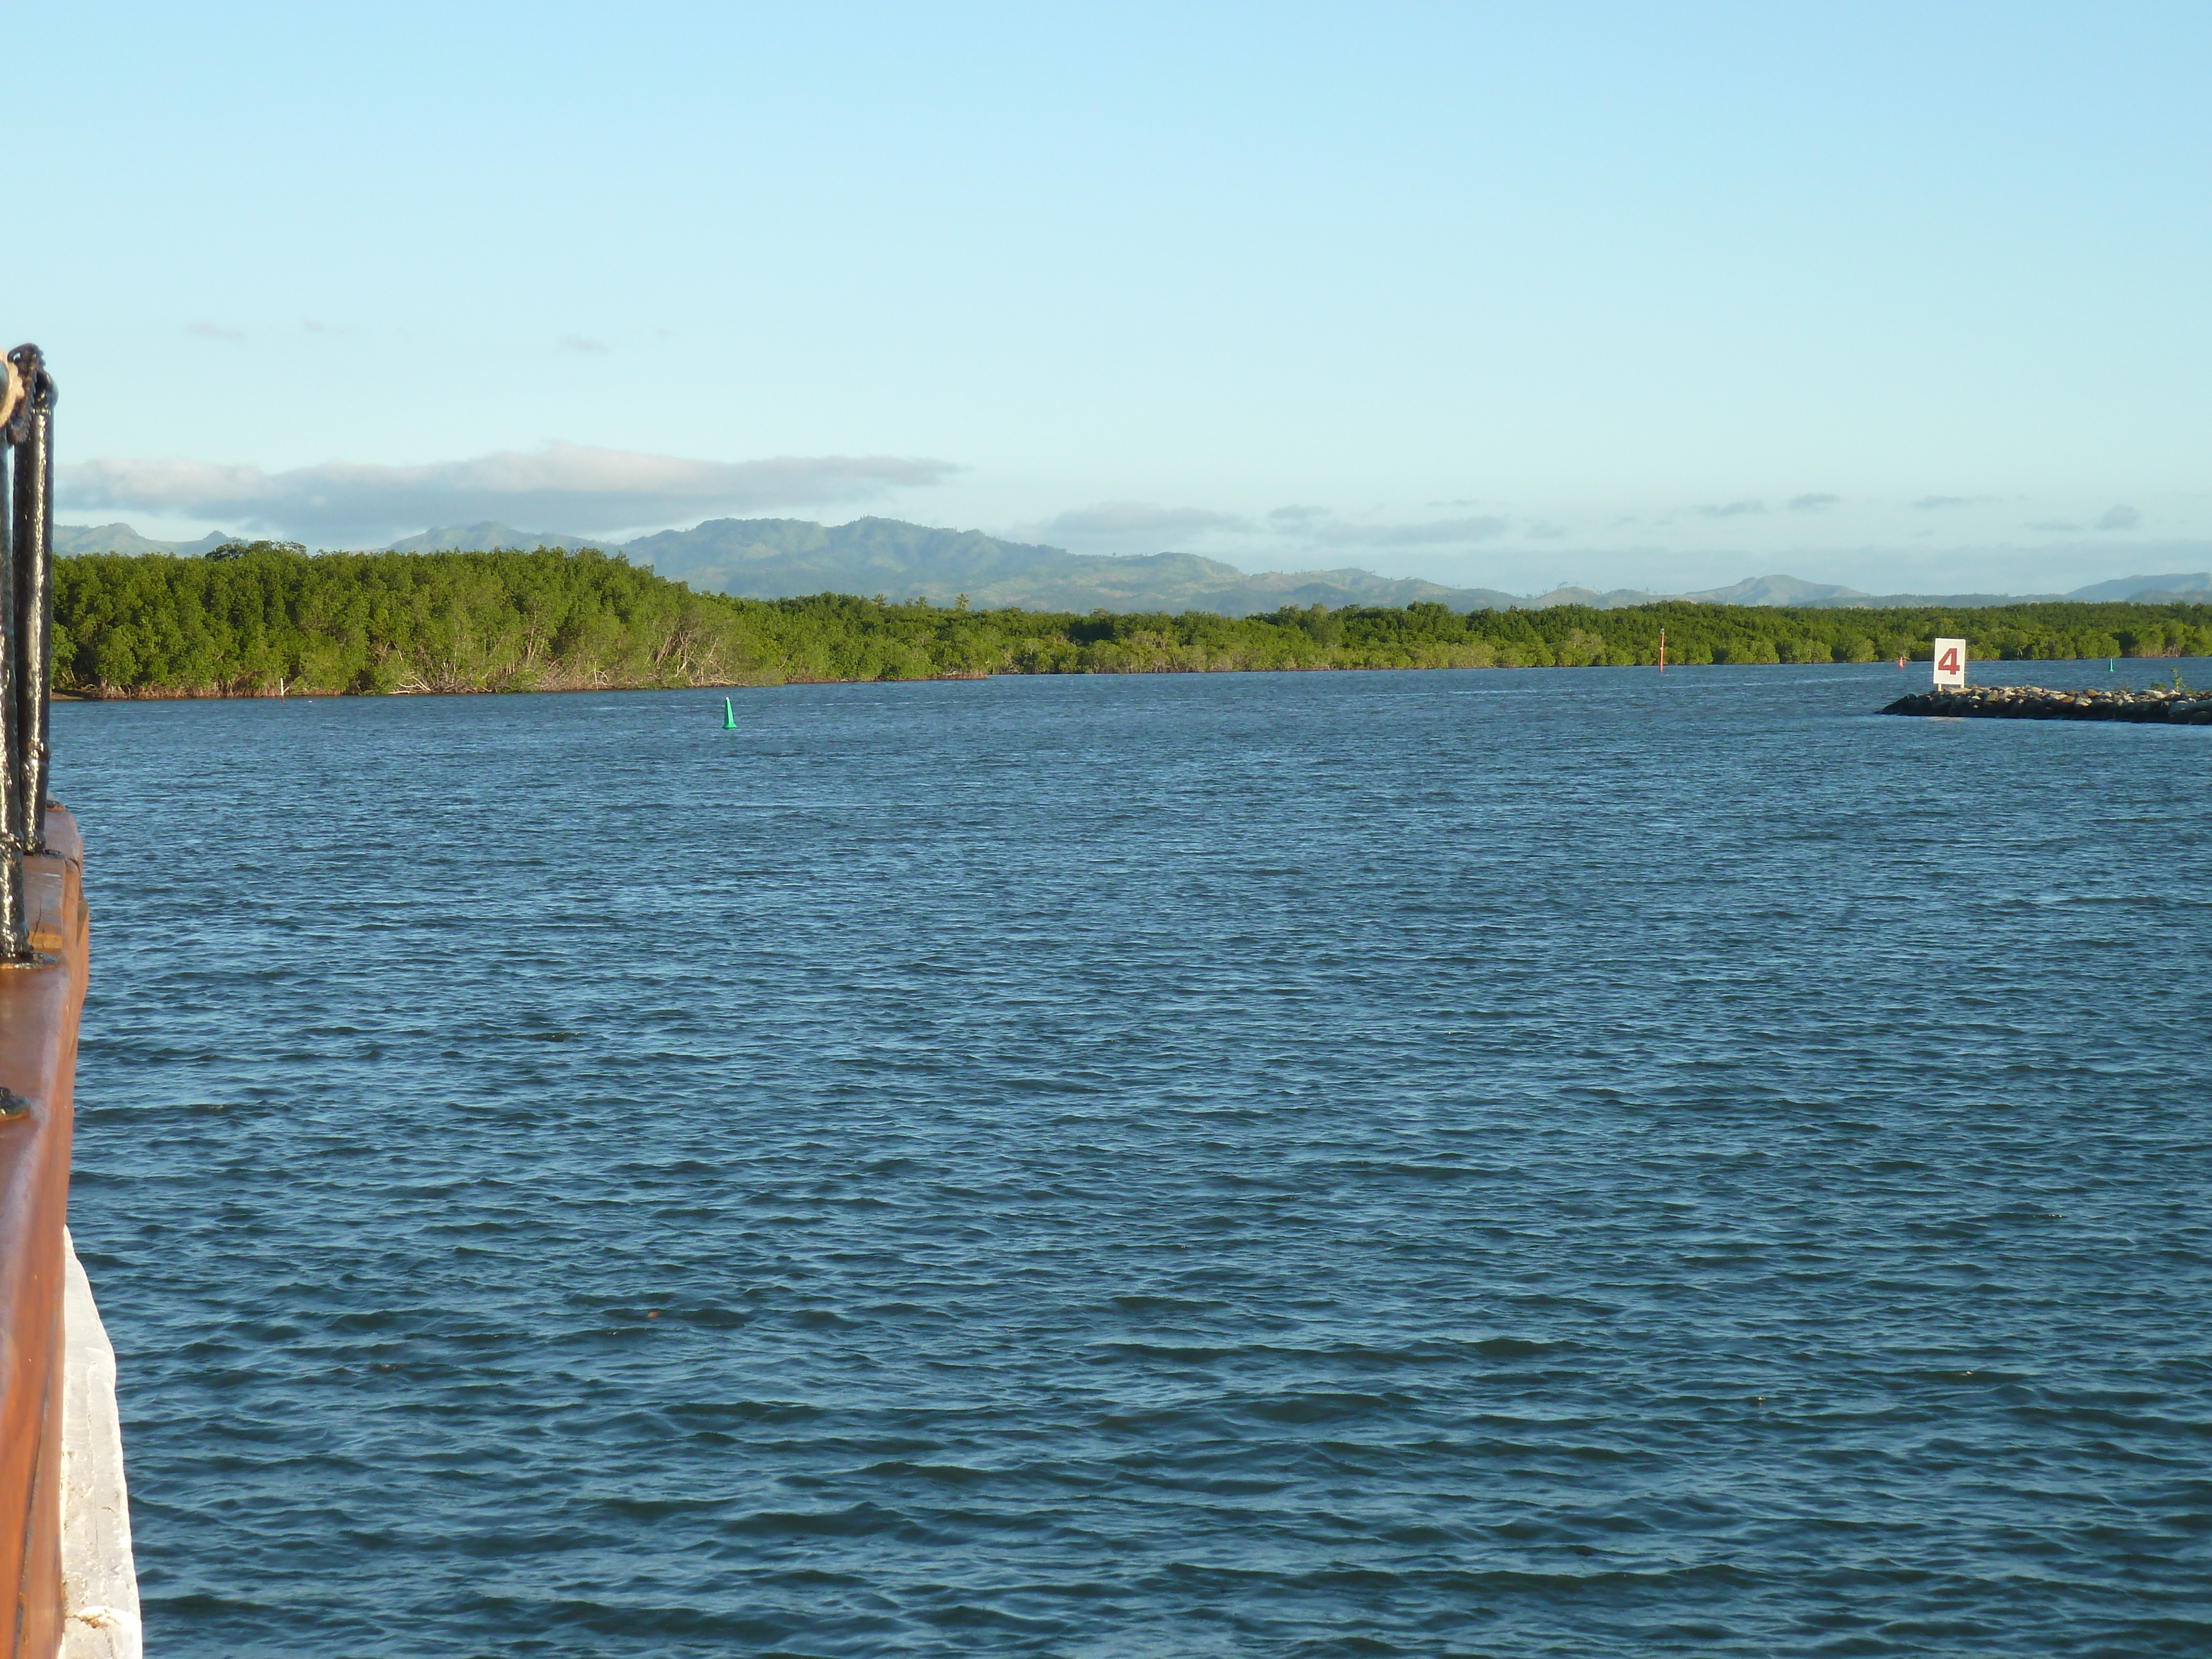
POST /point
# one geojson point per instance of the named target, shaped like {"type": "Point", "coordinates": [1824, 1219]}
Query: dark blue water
{"type": "Point", "coordinates": [1501, 1162]}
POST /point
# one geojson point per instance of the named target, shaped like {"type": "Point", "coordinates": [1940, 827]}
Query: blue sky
{"type": "Point", "coordinates": [1909, 297]}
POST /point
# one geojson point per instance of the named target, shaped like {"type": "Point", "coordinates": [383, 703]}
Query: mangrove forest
{"type": "Point", "coordinates": [269, 618]}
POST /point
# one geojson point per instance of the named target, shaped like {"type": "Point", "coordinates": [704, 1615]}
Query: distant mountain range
{"type": "Point", "coordinates": [776, 558]}
{"type": "Point", "coordinates": [70, 539]}
{"type": "Point", "coordinates": [2155, 589]}
{"type": "Point", "coordinates": [483, 538]}
{"type": "Point", "coordinates": [767, 558]}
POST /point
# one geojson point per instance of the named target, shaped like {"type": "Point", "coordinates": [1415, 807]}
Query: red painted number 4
{"type": "Point", "coordinates": [1950, 662]}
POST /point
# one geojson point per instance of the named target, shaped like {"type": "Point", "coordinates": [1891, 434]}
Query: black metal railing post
{"type": "Point", "coordinates": [34, 586]}
{"type": "Point", "coordinates": [26, 634]}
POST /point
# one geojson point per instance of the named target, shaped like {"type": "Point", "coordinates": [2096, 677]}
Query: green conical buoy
{"type": "Point", "coordinates": [729, 716]}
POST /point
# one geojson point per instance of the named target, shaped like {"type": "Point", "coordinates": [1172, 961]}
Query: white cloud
{"type": "Point", "coordinates": [1433, 533]}
{"type": "Point", "coordinates": [1733, 509]}
{"type": "Point", "coordinates": [2118, 518]}
{"type": "Point", "coordinates": [1820, 502]}
{"type": "Point", "coordinates": [568, 488]}
{"type": "Point", "coordinates": [1122, 520]}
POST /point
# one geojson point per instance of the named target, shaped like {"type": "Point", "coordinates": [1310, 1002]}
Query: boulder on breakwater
{"type": "Point", "coordinates": [2173, 706]}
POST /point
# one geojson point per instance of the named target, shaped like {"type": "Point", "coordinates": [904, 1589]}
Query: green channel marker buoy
{"type": "Point", "coordinates": [729, 716]}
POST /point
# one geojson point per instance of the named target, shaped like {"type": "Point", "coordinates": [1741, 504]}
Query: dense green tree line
{"type": "Point", "coordinates": [268, 617]}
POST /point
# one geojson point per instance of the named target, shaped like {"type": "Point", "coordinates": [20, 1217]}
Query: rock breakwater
{"type": "Point", "coordinates": [2174, 706]}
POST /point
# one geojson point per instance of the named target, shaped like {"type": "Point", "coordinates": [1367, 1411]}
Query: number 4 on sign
{"type": "Point", "coordinates": [1950, 662]}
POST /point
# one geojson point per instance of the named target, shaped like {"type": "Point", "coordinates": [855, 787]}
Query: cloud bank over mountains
{"type": "Point", "coordinates": [578, 486]}
{"type": "Point", "coordinates": [1928, 543]}
{"type": "Point", "coordinates": [1955, 541]}
{"type": "Point", "coordinates": [1143, 527]}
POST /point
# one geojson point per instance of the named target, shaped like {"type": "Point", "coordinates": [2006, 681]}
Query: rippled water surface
{"type": "Point", "coordinates": [1500, 1163]}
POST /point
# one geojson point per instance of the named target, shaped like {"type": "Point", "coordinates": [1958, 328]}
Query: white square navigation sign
{"type": "Point", "coordinates": [1950, 662]}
